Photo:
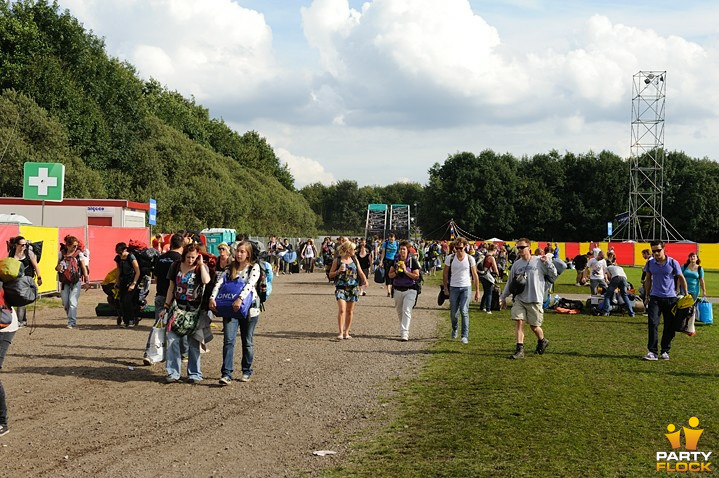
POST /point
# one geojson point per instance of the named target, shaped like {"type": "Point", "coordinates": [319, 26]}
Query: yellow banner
{"type": "Point", "coordinates": [48, 260]}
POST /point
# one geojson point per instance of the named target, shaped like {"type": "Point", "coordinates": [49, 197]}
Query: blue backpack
{"type": "Point", "coordinates": [229, 292]}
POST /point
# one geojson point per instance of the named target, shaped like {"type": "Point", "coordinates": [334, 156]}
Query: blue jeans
{"type": "Point", "coordinates": [614, 284]}
{"type": "Point", "coordinates": [247, 333]}
{"type": "Point", "coordinates": [459, 302]}
{"type": "Point", "coordinates": [173, 363]}
{"type": "Point", "coordinates": [70, 295]}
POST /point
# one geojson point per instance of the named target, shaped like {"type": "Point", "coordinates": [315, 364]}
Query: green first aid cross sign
{"type": "Point", "coordinates": [44, 181]}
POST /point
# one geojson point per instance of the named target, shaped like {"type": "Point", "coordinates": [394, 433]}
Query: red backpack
{"type": "Point", "coordinates": [70, 269]}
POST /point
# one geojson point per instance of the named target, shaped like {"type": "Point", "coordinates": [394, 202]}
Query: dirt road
{"type": "Point", "coordinates": [82, 404]}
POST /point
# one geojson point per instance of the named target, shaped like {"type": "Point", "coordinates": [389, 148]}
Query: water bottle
{"type": "Point", "coordinates": [556, 299]}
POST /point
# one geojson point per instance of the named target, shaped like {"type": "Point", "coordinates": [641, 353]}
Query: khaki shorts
{"type": "Point", "coordinates": [530, 312]}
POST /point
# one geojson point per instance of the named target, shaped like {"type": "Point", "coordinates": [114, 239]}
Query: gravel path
{"type": "Point", "coordinates": [82, 404]}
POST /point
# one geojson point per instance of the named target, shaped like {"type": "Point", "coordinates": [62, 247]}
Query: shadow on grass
{"type": "Point", "coordinates": [679, 373]}
{"type": "Point", "coordinates": [597, 355]}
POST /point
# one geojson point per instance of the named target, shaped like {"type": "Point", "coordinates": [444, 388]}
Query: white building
{"type": "Point", "coordinates": [79, 212]}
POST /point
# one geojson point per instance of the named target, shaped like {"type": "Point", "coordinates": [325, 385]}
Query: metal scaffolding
{"type": "Point", "coordinates": [645, 220]}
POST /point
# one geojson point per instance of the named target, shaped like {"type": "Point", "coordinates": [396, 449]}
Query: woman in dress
{"type": "Point", "coordinates": [244, 267]}
{"type": "Point", "coordinates": [348, 280]}
{"type": "Point", "coordinates": [694, 274]}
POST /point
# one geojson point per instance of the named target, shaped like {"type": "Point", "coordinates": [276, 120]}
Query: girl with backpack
{"type": "Point", "coordinates": [404, 273]}
{"type": "Point", "coordinates": [184, 296]}
{"type": "Point", "coordinates": [348, 278]}
{"type": "Point", "coordinates": [246, 268]}
{"type": "Point", "coordinates": [71, 266]}
{"type": "Point", "coordinates": [22, 251]}
{"type": "Point", "coordinates": [128, 273]}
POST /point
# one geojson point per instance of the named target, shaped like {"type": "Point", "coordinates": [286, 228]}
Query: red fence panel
{"type": "Point", "coordinates": [101, 243]}
{"type": "Point", "coordinates": [571, 249]}
{"type": "Point", "coordinates": [624, 252]}
{"type": "Point", "coordinates": [680, 251]}
{"type": "Point", "coordinates": [6, 232]}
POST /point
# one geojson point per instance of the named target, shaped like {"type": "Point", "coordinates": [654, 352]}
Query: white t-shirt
{"type": "Point", "coordinates": [597, 269]}
{"type": "Point", "coordinates": [461, 270]}
{"type": "Point", "coordinates": [616, 271]}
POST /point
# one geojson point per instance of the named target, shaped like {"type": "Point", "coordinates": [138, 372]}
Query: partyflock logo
{"type": "Point", "coordinates": [690, 460]}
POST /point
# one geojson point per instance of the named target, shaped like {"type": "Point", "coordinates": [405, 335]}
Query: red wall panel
{"type": "Point", "coordinates": [680, 251]}
{"type": "Point", "coordinates": [624, 252]}
{"type": "Point", "coordinates": [6, 232]}
{"type": "Point", "coordinates": [571, 249]}
{"type": "Point", "coordinates": [101, 242]}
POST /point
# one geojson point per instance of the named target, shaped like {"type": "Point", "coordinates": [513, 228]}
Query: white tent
{"type": "Point", "coordinates": [14, 219]}
{"type": "Point", "coordinates": [494, 239]}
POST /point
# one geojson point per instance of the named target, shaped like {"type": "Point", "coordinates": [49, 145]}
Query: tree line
{"type": "Point", "coordinates": [548, 196]}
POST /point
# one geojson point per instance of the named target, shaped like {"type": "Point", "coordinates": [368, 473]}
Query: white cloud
{"type": "Point", "coordinates": [305, 170]}
{"type": "Point", "coordinates": [206, 49]}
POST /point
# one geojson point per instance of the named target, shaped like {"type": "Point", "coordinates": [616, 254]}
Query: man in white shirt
{"type": "Point", "coordinates": [617, 280]}
{"type": "Point", "coordinates": [597, 273]}
{"type": "Point", "coordinates": [463, 270]}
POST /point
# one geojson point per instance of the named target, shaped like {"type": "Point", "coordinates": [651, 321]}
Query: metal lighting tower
{"type": "Point", "coordinates": [646, 185]}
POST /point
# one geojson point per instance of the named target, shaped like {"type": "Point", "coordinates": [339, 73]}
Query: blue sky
{"type": "Point", "coordinates": [379, 91]}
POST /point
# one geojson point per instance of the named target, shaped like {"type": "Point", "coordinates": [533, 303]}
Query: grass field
{"type": "Point", "coordinates": [588, 407]}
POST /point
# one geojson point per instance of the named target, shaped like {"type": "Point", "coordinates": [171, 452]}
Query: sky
{"type": "Point", "coordinates": [379, 91]}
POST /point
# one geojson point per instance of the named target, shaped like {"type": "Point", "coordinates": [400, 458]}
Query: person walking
{"type": "Point", "coordinates": [526, 284]}
{"type": "Point", "coordinates": [21, 250]}
{"type": "Point", "coordinates": [128, 273]}
{"type": "Point", "coordinates": [405, 273]}
{"type": "Point", "coordinates": [617, 281]}
{"type": "Point", "coordinates": [694, 275]}
{"type": "Point", "coordinates": [71, 266]}
{"type": "Point", "coordinates": [187, 280]}
{"type": "Point", "coordinates": [488, 278]}
{"type": "Point", "coordinates": [349, 279]}
{"type": "Point", "coordinates": [364, 257]}
{"type": "Point", "coordinates": [164, 263]}
{"type": "Point", "coordinates": [309, 253]}
{"type": "Point", "coordinates": [245, 267]}
{"type": "Point", "coordinates": [387, 253]}
{"type": "Point", "coordinates": [664, 277]}
{"type": "Point", "coordinates": [457, 279]}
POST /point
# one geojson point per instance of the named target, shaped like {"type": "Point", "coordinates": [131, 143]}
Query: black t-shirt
{"type": "Point", "coordinates": [580, 261]}
{"type": "Point", "coordinates": [163, 267]}
{"type": "Point", "coordinates": [127, 272]}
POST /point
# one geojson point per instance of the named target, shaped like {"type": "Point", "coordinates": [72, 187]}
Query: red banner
{"type": "Point", "coordinates": [101, 243]}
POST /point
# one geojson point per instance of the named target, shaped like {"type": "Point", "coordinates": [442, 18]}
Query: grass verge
{"type": "Point", "coordinates": [588, 407]}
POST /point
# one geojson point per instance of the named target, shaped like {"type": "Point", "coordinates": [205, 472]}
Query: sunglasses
{"type": "Point", "coordinates": [23, 244]}
{"type": "Point", "coordinates": [656, 251]}
{"type": "Point", "coordinates": [522, 247]}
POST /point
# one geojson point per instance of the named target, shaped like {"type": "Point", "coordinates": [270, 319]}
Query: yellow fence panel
{"type": "Point", "coordinates": [48, 260]}
{"type": "Point", "coordinates": [639, 260]}
{"type": "Point", "coordinates": [709, 255]}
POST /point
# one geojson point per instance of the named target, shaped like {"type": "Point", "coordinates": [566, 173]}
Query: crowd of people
{"type": "Point", "coordinates": [194, 287]}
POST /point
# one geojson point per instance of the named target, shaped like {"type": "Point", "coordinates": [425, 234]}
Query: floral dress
{"type": "Point", "coordinates": [346, 285]}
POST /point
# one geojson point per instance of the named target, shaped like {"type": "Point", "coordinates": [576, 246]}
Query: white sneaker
{"type": "Point", "coordinates": [664, 356]}
{"type": "Point", "coordinates": [465, 340]}
{"type": "Point", "coordinates": [489, 312]}
{"type": "Point", "coordinates": [651, 356]}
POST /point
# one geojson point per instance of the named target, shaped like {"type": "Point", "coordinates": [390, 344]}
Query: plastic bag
{"type": "Point", "coordinates": [156, 343]}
